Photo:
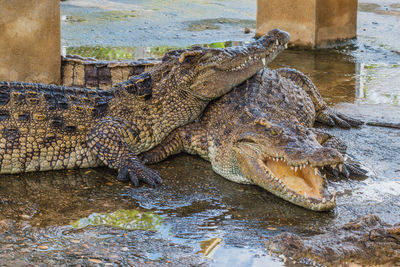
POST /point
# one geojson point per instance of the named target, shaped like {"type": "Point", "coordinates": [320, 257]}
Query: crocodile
{"type": "Point", "coordinates": [49, 127]}
{"type": "Point", "coordinates": [365, 241]}
{"type": "Point", "coordinates": [262, 133]}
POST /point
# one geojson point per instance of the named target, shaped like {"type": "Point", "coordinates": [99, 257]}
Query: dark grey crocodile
{"type": "Point", "coordinates": [261, 133]}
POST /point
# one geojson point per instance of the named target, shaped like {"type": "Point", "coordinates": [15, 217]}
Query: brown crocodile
{"type": "Point", "coordinates": [261, 133]}
{"type": "Point", "coordinates": [365, 241]}
{"type": "Point", "coordinates": [48, 127]}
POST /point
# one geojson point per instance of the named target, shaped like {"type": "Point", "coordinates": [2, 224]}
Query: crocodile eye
{"type": "Point", "coordinates": [275, 132]}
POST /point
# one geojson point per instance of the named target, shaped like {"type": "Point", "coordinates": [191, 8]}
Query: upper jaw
{"type": "Point", "coordinates": [252, 55]}
{"type": "Point", "coordinates": [260, 52]}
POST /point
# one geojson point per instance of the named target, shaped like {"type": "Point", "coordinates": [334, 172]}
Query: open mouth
{"type": "Point", "coordinates": [301, 184]}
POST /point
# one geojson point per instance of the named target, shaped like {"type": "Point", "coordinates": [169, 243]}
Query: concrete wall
{"type": "Point", "coordinates": [30, 40]}
{"type": "Point", "coordinates": [310, 22]}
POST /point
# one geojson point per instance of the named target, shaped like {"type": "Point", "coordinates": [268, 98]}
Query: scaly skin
{"type": "Point", "coordinates": [261, 133]}
{"type": "Point", "coordinates": [46, 127]}
{"type": "Point", "coordinates": [366, 241]}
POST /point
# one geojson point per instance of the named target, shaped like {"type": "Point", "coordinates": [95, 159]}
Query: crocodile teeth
{"type": "Point", "coordinates": [334, 196]}
{"type": "Point", "coordinates": [263, 61]}
{"type": "Point", "coordinates": [276, 42]}
{"type": "Point", "coordinates": [323, 200]}
{"type": "Point", "coordinates": [341, 167]}
{"type": "Point", "coordinates": [315, 171]}
{"type": "Point", "coordinates": [286, 45]}
{"type": "Point", "coordinates": [295, 169]}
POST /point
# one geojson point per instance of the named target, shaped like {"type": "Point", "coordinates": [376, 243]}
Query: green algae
{"type": "Point", "coordinates": [123, 219]}
{"type": "Point", "coordinates": [103, 53]}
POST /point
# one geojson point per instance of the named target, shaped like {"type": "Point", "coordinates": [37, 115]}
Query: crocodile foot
{"type": "Point", "coordinates": [332, 118]}
{"type": "Point", "coordinates": [132, 169]}
{"type": "Point", "coordinates": [350, 168]}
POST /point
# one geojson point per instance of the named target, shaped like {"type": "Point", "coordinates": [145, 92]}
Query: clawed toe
{"type": "Point", "coordinates": [135, 171]}
{"type": "Point", "coordinates": [332, 118]}
{"type": "Point", "coordinates": [150, 177]}
{"type": "Point", "coordinates": [123, 174]}
{"type": "Point", "coordinates": [349, 169]}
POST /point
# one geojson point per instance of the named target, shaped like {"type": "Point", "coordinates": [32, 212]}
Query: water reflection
{"type": "Point", "coordinates": [208, 247]}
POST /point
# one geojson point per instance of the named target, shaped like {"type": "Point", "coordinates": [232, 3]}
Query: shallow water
{"type": "Point", "coordinates": [197, 217]}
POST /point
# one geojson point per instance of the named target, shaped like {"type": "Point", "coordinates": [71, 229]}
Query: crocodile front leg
{"type": "Point", "coordinates": [191, 138]}
{"type": "Point", "coordinates": [324, 114]}
{"type": "Point", "coordinates": [107, 141]}
{"type": "Point", "coordinates": [350, 167]}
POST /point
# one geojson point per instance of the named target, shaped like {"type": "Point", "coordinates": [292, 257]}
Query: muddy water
{"type": "Point", "coordinates": [196, 217]}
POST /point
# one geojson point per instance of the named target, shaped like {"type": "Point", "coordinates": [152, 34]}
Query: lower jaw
{"type": "Point", "coordinates": [307, 204]}
{"type": "Point", "coordinates": [315, 205]}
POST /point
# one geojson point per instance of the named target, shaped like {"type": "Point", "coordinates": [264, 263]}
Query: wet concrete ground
{"type": "Point", "coordinates": [86, 217]}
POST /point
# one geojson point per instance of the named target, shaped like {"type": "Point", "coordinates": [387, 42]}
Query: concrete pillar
{"type": "Point", "coordinates": [312, 23]}
{"type": "Point", "coordinates": [30, 41]}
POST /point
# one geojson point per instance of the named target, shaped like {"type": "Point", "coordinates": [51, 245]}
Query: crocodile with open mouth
{"type": "Point", "coordinates": [262, 133]}
{"type": "Point", "coordinates": [49, 127]}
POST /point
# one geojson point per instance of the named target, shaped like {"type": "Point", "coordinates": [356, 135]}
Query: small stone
{"type": "Point", "coordinates": [75, 241]}
{"type": "Point", "coordinates": [124, 249]}
{"type": "Point", "coordinates": [95, 261]}
{"type": "Point", "coordinates": [43, 247]}
{"type": "Point", "coordinates": [247, 30]}
{"type": "Point", "coordinates": [25, 217]}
